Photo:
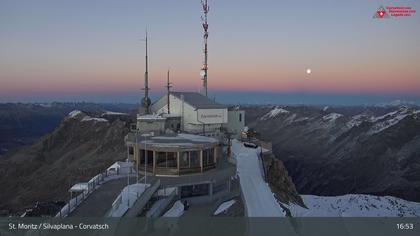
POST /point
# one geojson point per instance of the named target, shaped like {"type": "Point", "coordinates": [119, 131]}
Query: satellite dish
{"type": "Point", "coordinates": [202, 73]}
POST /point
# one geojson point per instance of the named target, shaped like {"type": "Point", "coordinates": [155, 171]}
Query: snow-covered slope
{"type": "Point", "coordinates": [112, 113]}
{"type": "Point", "coordinates": [355, 205]}
{"type": "Point", "coordinates": [274, 112]}
{"type": "Point", "coordinates": [385, 121]}
{"type": "Point", "coordinates": [332, 117]}
{"type": "Point", "coordinates": [258, 198]}
{"type": "Point", "coordinates": [176, 210]}
{"type": "Point", "coordinates": [224, 207]}
{"type": "Point", "coordinates": [74, 113]}
{"type": "Point", "coordinates": [78, 114]}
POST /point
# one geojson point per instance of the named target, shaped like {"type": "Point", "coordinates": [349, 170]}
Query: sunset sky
{"type": "Point", "coordinates": [259, 51]}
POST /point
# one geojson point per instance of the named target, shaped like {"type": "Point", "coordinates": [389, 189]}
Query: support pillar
{"type": "Point", "coordinates": [177, 162]}
{"type": "Point", "coordinates": [201, 160]}
{"type": "Point", "coordinates": [154, 162]}
{"type": "Point", "coordinates": [215, 155]}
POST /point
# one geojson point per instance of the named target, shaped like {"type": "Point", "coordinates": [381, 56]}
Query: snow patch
{"type": "Point", "coordinates": [88, 118]}
{"type": "Point", "coordinates": [331, 117]}
{"type": "Point", "coordinates": [374, 119]}
{"type": "Point", "coordinates": [45, 105]}
{"type": "Point", "coordinates": [176, 210]}
{"type": "Point", "coordinates": [114, 113]}
{"type": "Point", "coordinates": [74, 113]}
{"type": "Point", "coordinates": [357, 120]}
{"type": "Point", "coordinates": [126, 199]}
{"type": "Point", "coordinates": [275, 112]}
{"type": "Point", "coordinates": [224, 207]}
{"type": "Point", "coordinates": [355, 205]}
{"type": "Point", "coordinates": [378, 127]}
{"type": "Point", "coordinates": [390, 119]}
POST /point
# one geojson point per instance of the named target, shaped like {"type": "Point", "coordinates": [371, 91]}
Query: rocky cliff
{"type": "Point", "coordinates": [280, 182]}
{"type": "Point", "coordinates": [79, 148]}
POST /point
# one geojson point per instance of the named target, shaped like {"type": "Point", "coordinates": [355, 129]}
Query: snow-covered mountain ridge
{"type": "Point", "coordinates": [346, 150]}
{"type": "Point", "coordinates": [355, 205]}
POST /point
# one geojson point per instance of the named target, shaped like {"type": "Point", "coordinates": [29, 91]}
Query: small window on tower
{"type": "Point", "coordinates": [240, 117]}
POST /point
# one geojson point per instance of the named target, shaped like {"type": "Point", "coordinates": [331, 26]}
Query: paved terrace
{"type": "Point", "coordinates": [100, 201]}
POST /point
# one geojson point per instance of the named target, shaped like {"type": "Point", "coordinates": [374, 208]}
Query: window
{"type": "Point", "coordinates": [184, 160]}
{"type": "Point", "coordinates": [194, 159]}
{"type": "Point", "coordinates": [161, 159]}
{"type": "Point", "coordinates": [166, 160]}
{"type": "Point", "coordinates": [141, 152]}
{"type": "Point", "coordinates": [208, 156]}
{"type": "Point", "coordinates": [171, 159]}
{"type": "Point", "coordinates": [240, 117]}
{"type": "Point", "coordinates": [150, 158]}
{"type": "Point", "coordinates": [130, 150]}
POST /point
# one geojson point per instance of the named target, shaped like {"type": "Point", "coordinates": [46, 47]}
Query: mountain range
{"type": "Point", "coordinates": [342, 150]}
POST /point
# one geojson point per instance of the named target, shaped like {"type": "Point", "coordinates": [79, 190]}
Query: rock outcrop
{"type": "Point", "coordinates": [79, 148]}
{"type": "Point", "coordinates": [280, 182]}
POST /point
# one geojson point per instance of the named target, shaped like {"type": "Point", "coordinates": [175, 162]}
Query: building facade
{"type": "Point", "coordinates": [173, 154]}
{"type": "Point", "coordinates": [197, 113]}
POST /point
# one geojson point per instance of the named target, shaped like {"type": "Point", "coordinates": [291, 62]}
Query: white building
{"type": "Point", "coordinates": [236, 122]}
{"type": "Point", "coordinates": [198, 114]}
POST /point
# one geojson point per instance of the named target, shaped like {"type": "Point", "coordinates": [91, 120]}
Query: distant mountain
{"type": "Point", "coordinates": [23, 123]}
{"type": "Point", "coordinates": [397, 103]}
{"type": "Point", "coordinates": [342, 150]}
{"type": "Point", "coordinates": [80, 147]}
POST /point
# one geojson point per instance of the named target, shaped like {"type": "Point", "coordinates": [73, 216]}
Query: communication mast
{"type": "Point", "coordinates": [168, 91]}
{"type": "Point", "coordinates": [146, 102]}
{"type": "Point", "coordinates": [204, 70]}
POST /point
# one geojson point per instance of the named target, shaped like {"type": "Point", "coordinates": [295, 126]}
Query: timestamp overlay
{"type": "Point", "coordinates": [203, 226]}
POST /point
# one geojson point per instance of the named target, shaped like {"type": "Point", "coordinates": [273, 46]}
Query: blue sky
{"type": "Point", "coordinates": [91, 50]}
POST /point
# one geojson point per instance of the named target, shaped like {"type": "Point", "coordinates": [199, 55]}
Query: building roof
{"type": "Point", "coordinates": [198, 100]}
{"type": "Point", "coordinates": [171, 142]}
{"type": "Point", "coordinates": [150, 117]}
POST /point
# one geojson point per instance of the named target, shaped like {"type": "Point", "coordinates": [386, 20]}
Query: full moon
{"type": "Point", "coordinates": [308, 71]}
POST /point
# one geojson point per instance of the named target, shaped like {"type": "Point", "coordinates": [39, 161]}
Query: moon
{"type": "Point", "coordinates": [308, 71]}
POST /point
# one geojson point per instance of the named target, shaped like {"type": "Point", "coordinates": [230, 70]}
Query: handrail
{"type": "Point", "coordinates": [93, 184]}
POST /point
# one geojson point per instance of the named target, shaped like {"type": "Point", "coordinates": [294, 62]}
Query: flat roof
{"type": "Point", "coordinates": [150, 117]}
{"type": "Point", "coordinates": [173, 141]}
{"type": "Point", "coordinates": [198, 100]}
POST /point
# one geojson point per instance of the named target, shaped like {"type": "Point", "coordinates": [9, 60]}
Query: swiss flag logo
{"type": "Point", "coordinates": [381, 13]}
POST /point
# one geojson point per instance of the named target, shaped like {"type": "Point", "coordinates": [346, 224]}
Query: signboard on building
{"type": "Point", "coordinates": [212, 116]}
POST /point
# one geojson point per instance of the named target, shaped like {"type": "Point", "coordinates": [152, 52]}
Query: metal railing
{"type": "Point", "coordinates": [93, 184]}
